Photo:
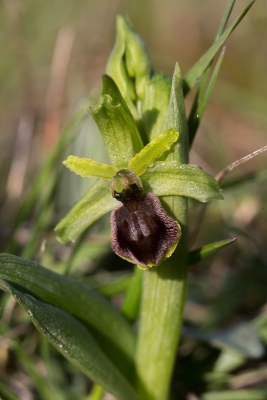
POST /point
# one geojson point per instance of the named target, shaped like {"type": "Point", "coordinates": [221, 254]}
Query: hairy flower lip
{"type": "Point", "coordinates": [142, 231]}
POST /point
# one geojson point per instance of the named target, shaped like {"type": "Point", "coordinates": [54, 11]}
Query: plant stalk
{"type": "Point", "coordinates": [164, 287]}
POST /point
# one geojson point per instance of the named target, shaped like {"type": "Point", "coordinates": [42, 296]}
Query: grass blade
{"type": "Point", "coordinates": [195, 119]}
{"type": "Point", "coordinates": [197, 70]}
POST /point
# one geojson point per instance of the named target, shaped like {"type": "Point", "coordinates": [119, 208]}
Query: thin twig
{"type": "Point", "coordinates": [220, 176]}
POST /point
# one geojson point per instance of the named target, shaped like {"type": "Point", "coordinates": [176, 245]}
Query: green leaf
{"type": "Point", "coordinates": [114, 286]}
{"type": "Point", "coordinates": [207, 250]}
{"type": "Point", "coordinates": [153, 150]}
{"type": "Point", "coordinates": [106, 324]}
{"type": "Point", "coordinates": [197, 70]}
{"type": "Point", "coordinates": [211, 85]}
{"type": "Point", "coordinates": [93, 205]}
{"type": "Point", "coordinates": [196, 119]}
{"type": "Point", "coordinates": [88, 168]}
{"type": "Point", "coordinates": [131, 304]}
{"type": "Point", "coordinates": [73, 340]}
{"type": "Point", "coordinates": [155, 103]}
{"type": "Point", "coordinates": [225, 18]}
{"type": "Point", "coordinates": [169, 178]}
{"type": "Point", "coordinates": [176, 119]}
{"type": "Point", "coordinates": [116, 127]}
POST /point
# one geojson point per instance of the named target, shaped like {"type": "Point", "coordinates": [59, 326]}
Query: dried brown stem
{"type": "Point", "coordinates": [220, 176]}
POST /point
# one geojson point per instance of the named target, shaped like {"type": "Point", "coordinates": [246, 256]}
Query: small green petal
{"type": "Point", "coordinates": [88, 168]}
{"type": "Point", "coordinates": [171, 179]}
{"type": "Point", "coordinates": [93, 205]}
{"type": "Point", "coordinates": [153, 150]}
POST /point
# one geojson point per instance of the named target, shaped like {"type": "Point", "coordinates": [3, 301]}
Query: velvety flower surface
{"type": "Point", "coordinates": [141, 230]}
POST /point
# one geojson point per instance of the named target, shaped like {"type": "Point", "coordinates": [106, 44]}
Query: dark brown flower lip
{"type": "Point", "coordinates": [142, 231]}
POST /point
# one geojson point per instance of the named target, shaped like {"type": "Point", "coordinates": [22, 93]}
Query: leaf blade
{"type": "Point", "coordinates": [207, 250]}
{"type": "Point", "coordinates": [105, 323]}
{"type": "Point", "coordinates": [74, 341]}
{"type": "Point", "coordinates": [194, 122]}
{"type": "Point", "coordinates": [197, 70]}
{"type": "Point", "coordinates": [155, 103]}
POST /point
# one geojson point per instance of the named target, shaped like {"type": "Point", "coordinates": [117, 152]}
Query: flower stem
{"type": "Point", "coordinates": [164, 287]}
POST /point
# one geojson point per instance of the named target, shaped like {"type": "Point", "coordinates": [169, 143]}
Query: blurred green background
{"type": "Point", "coordinates": [53, 54]}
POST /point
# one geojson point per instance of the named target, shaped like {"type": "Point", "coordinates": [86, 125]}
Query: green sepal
{"type": "Point", "coordinates": [155, 103]}
{"type": "Point", "coordinates": [136, 57]}
{"type": "Point", "coordinates": [110, 88]}
{"type": "Point", "coordinates": [153, 150]}
{"type": "Point", "coordinates": [116, 68]}
{"type": "Point", "coordinates": [116, 127]}
{"type": "Point", "coordinates": [88, 168]}
{"type": "Point", "coordinates": [129, 63]}
{"type": "Point", "coordinates": [74, 341]}
{"type": "Point", "coordinates": [93, 205]}
{"type": "Point", "coordinates": [169, 178]}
